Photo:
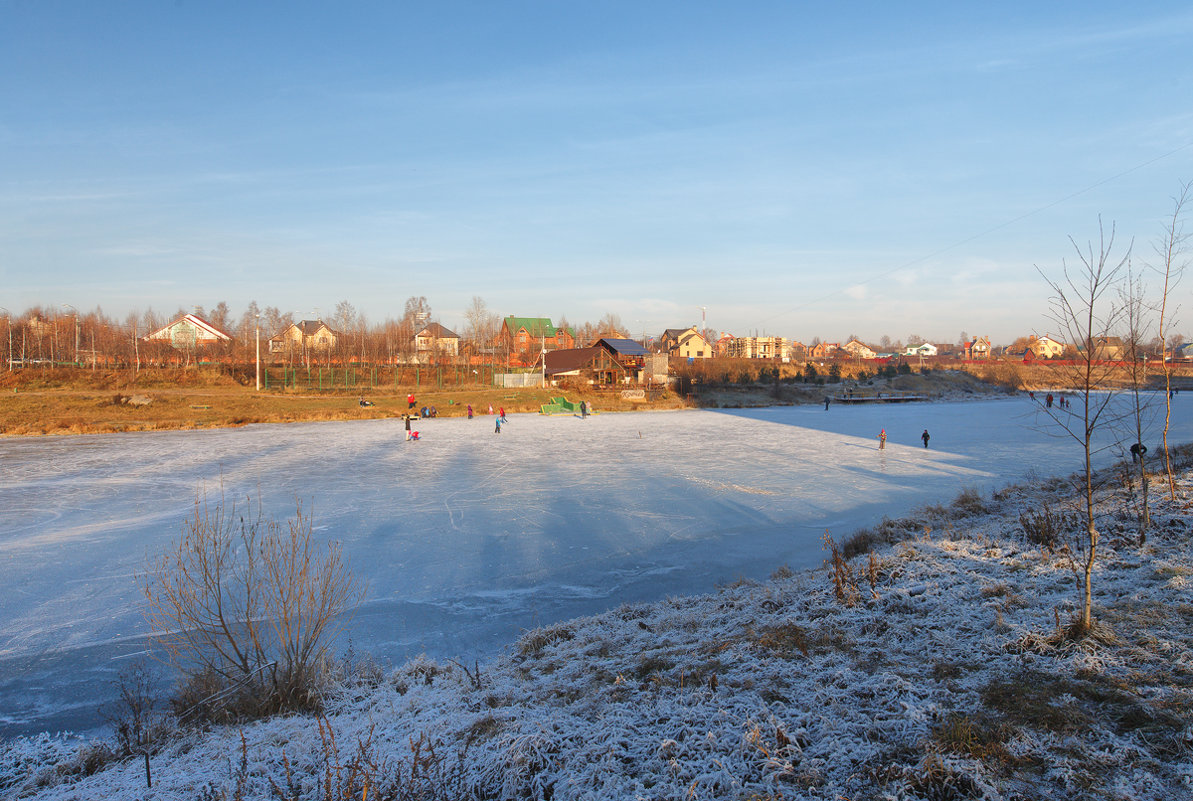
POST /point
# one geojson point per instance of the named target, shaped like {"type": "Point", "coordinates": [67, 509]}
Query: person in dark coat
{"type": "Point", "coordinates": [924, 437]}
{"type": "Point", "coordinates": [1137, 451]}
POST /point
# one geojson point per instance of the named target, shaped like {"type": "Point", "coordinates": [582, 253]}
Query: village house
{"type": "Point", "coordinates": [189, 332]}
{"type": "Point", "coordinates": [824, 350]}
{"type": "Point", "coordinates": [436, 340]}
{"type": "Point", "coordinates": [304, 338]}
{"type": "Point", "coordinates": [524, 338]}
{"type": "Point", "coordinates": [685, 343]}
{"type": "Point", "coordinates": [1046, 347]}
{"type": "Point", "coordinates": [976, 349]}
{"type": "Point", "coordinates": [723, 344]}
{"type": "Point", "coordinates": [1109, 349]}
{"type": "Point", "coordinates": [922, 349]}
{"type": "Point", "coordinates": [858, 349]}
{"type": "Point", "coordinates": [611, 361]}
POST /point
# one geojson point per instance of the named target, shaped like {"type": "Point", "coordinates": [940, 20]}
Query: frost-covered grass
{"type": "Point", "coordinates": [947, 674]}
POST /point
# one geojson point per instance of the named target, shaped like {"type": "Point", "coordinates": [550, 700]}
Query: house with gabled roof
{"type": "Point", "coordinates": [610, 361]}
{"type": "Point", "coordinates": [525, 337]}
{"type": "Point", "coordinates": [1045, 347]}
{"type": "Point", "coordinates": [922, 349]}
{"type": "Point", "coordinates": [976, 349]}
{"type": "Point", "coordinates": [723, 344]}
{"type": "Point", "coordinates": [1109, 349]}
{"type": "Point", "coordinates": [824, 350]}
{"type": "Point", "coordinates": [437, 340]}
{"type": "Point", "coordinates": [855, 347]}
{"type": "Point", "coordinates": [189, 332]}
{"type": "Point", "coordinates": [685, 343]}
{"type": "Point", "coordinates": [305, 337]}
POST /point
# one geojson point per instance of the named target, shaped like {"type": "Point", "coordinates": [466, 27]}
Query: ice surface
{"type": "Point", "coordinates": [468, 537]}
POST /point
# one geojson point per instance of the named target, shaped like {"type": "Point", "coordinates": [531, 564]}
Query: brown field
{"type": "Point", "coordinates": [76, 401]}
{"type": "Point", "coordinates": [64, 401]}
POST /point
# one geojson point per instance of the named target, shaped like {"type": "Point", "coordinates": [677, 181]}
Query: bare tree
{"type": "Point", "coordinates": [220, 316]}
{"type": "Point", "coordinates": [482, 324]}
{"type": "Point", "coordinates": [1171, 251]}
{"type": "Point", "coordinates": [1136, 331]}
{"type": "Point", "coordinates": [610, 326]}
{"type": "Point", "coordinates": [1080, 309]}
{"type": "Point", "coordinates": [246, 603]}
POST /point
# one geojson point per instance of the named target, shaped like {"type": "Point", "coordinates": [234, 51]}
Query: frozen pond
{"type": "Point", "coordinates": [468, 537]}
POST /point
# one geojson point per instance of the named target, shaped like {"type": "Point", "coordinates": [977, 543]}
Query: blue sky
{"type": "Point", "coordinates": [802, 170]}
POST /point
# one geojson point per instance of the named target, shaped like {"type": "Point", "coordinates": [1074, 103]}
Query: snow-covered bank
{"type": "Point", "coordinates": [945, 679]}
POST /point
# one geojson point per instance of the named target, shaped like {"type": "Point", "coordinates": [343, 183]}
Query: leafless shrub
{"type": "Point", "coordinates": [1044, 527]}
{"type": "Point", "coordinates": [247, 608]}
{"type": "Point", "coordinates": [137, 717]}
{"type": "Point", "coordinates": [969, 503]}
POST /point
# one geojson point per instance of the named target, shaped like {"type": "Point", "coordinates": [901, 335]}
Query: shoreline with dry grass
{"type": "Point", "coordinates": [72, 402]}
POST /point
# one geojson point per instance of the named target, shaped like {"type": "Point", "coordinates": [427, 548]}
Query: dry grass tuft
{"type": "Point", "coordinates": [533, 643]}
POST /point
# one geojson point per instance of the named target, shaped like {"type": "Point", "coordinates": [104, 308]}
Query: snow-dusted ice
{"type": "Point", "coordinates": [468, 537]}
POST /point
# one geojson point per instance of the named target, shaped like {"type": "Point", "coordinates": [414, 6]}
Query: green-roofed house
{"type": "Point", "coordinates": [525, 337]}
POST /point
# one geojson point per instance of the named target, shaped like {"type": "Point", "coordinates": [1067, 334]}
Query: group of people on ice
{"type": "Point", "coordinates": [426, 412]}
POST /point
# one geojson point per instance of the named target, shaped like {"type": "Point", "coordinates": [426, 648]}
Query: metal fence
{"type": "Point", "coordinates": [360, 377]}
{"type": "Point", "coordinates": [517, 380]}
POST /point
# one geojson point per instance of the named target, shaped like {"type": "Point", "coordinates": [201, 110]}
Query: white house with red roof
{"type": "Point", "coordinates": [189, 332]}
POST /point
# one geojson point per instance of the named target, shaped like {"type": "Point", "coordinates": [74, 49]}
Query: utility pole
{"type": "Point", "coordinates": [644, 322]}
{"type": "Point", "coordinates": [258, 351]}
{"type": "Point", "coordinates": [8, 325]}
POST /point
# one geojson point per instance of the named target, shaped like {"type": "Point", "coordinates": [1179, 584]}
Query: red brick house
{"type": "Point", "coordinates": [523, 338]}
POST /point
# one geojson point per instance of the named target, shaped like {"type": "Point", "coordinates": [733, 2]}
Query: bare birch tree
{"type": "Point", "coordinates": [1171, 250]}
{"type": "Point", "coordinates": [1081, 308]}
{"type": "Point", "coordinates": [1136, 330]}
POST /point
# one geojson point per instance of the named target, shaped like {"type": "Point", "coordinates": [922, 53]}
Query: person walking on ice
{"type": "Point", "coordinates": [882, 440]}
{"type": "Point", "coordinates": [924, 437]}
{"type": "Point", "coordinates": [497, 428]}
